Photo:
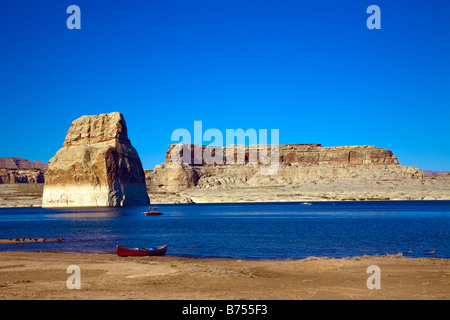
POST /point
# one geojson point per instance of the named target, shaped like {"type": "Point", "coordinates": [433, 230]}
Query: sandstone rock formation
{"type": "Point", "coordinates": [97, 166]}
{"type": "Point", "coordinates": [173, 177]}
{"type": "Point", "coordinates": [17, 170]}
{"type": "Point", "coordinates": [306, 172]}
{"type": "Point", "coordinates": [21, 176]}
{"type": "Point", "coordinates": [290, 154]}
{"type": "Point", "coordinates": [297, 163]}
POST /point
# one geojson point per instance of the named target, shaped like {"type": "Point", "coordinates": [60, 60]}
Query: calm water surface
{"type": "Point", "coordinates": [248, 231]}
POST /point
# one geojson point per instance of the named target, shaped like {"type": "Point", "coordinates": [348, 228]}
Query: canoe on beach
{"type": "Point", "coordinates": [155, 251]}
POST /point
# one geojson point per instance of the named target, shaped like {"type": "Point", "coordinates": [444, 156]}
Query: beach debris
{"type": "Point", "coordinates": [30, 239]}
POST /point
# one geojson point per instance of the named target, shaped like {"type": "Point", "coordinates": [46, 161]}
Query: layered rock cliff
{"type": "Point", "coordinates": [186, 168]}
{"type": "Point", "coordinates": [304, 172]}
{"type": "Point", "coordinates": [289, 154]}
{"type": "Point", "coordinates": [21, 176]}
{"type": "Point", "coordinates": [18, 170]}
{"type": "Point", "coordinates": [96, 166]}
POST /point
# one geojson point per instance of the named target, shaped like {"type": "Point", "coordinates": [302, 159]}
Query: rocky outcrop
{"type": "Point", "coordinates": [21, 176]}
{"type": "Point", "coordinates": [96, 166]}
{"type": "Point", "coordinates": [289, 154]}
{"type": "Point", "coordinates": [305, 172]}
{"type": "Point", "coordinates": [186, 168]}
{"type": "Point", "coordinates": [173, 177]}
{"type": "Point", "coordinates": [17, 170]}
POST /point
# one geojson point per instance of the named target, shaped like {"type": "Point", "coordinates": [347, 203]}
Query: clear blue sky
{"type": "Point", "coordinates": [311, 69]}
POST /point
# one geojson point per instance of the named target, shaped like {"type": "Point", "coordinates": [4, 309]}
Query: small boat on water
{"type": "Point", "coordinates": [305, 204]}
{"type": "Point", "coordinates": [152, 212]}
{"type": "Point", "coordinates": [155, 251]}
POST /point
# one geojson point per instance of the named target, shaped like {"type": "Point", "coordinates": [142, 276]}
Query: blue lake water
{"type": "Point", "coordinates": [247, 231]}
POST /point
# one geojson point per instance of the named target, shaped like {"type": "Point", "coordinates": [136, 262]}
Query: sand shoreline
{"type": "Point", "coordinates": [43, 275]}
{"type": "Point", "coordinates": [30, 195]}
{"type": "Point", "coordinates": [20, 205]}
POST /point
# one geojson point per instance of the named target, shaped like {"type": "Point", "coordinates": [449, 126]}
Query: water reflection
{"type": "Point", "coordinates": [83, 213]}
{"type": "Point", "coordinates": [86, 215]}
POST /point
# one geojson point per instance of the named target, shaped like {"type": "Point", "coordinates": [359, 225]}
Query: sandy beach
{"type": "Point", "coordinates": [43, 275]}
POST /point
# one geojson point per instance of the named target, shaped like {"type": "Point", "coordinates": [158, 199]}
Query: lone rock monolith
{"type": "Point", "coordinates": [97, 166]}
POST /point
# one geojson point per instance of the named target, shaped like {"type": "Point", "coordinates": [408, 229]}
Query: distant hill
{"type": "Point", "coordinates": [431, 173]}
{"type": "Point", "coordinates": [18, 163]}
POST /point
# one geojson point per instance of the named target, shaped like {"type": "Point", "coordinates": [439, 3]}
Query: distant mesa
{"type": "Point", "coordinates": [18, 170]}
{"type": "Point", "coordinates": [96, 166]}
{"type": "Point", "coordinates": [431, 173]}
{"type": "Point", "coordinates": [298, 163]}
{"type": "Point", "coordinates": [18, 163]}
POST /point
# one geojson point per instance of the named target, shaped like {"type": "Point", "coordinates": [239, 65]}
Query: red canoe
{"type": "Point", "coordinates": [155, 251]}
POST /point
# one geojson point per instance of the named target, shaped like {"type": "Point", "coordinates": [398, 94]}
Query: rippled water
{"type": "Point", "coordinates": [249, 231]}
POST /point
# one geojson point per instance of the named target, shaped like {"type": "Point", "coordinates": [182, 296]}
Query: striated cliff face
{"type": "Point", "coordinates": [97, 166]}
{"type": "Point", "coordinates": [289, 154]}
{"type": "Point", "coordinates": [8, 176]}
{"type": "Point", "coordinates": [297, 164]}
